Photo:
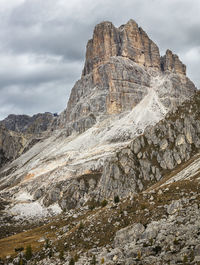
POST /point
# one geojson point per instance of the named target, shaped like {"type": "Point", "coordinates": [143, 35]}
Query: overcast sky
{"type": "Point", "coordinates": [42, 44]}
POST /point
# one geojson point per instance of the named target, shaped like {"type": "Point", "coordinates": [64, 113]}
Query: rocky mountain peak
{"type": "Point", "coordinates": [171, 62]}
{"type": "Point", "coordinates": [35, 124]}
{"type": "Point", "coordinates": [121, 65]}
{"type": "Point", "coordinates": [18, 133]}
{"type": "Point", "coordinates": [131, 170]}
{"type": "Point", "coordinates": [129, 41]}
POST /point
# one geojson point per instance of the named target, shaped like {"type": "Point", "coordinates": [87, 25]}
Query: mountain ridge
{"type": "Point", "coordinates": [88, 133]}
{"type": "Point", "coordinates": [121, 159]}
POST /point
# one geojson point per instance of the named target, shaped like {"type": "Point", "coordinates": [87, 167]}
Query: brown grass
{"type": "Point", "coordinates": [8, 245]}
{"type": "Point", "coordinates": [140, 209]}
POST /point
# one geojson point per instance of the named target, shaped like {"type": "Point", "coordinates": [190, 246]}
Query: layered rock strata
{"type": "Point", "coordinates": [128, 41]}
{"type": "Point", "coordinates": [119, 67]}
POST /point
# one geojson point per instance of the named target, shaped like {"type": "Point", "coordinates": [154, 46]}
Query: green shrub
{"type": "Point", "coordinates": [93, 262]}
{"type": "Point", "coordinates": [72, 262]}
{"type": "Point", "coordinates": [151, 241]}
{"type": "Point", "coordinates": [176, 242]}
{"type": "Point", "coordinates": [93, 204]}
{"type": "Point", "coordinates": [104, 203]}
{"type": "Point", "coordinates": [50, 252]}
{"type": "Point", "coordinates": [139, 255]}
{"type": "Point", "coordinates": [21, 262]}
{"type": "Point", "coordinates": [116, 199]}
{"type": "Point", "coordinates": [192, 256]}
{"type": "Point", "coordinates": [61, 255]}
{"type": "Point", "coordinates": [76, 257]}
{"type": "Point", "coordinates": [47, 243]}
{"type": "Point", "coordinates": [185, 259]}
{"type": "Point", "coordinates": [91, 207]}
{"type": "Point", "coordinates": [81, 226]}
{"type": "Point", "coordinates": [143, 206]}
{"type": "Point", "coordinates": [28, 253]}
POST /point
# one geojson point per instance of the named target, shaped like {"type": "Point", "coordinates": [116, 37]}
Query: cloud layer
{"type": "Point", "coordinates": [42, 44]}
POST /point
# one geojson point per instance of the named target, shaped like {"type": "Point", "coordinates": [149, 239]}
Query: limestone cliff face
{"type": "Point", "coordinates": [36, 124]}
{"type": "Point", "coordinates": [128, 41]}
{"type": "Point", "coordinates": [171, 62]}
{"type": "Point", "coordinates": [18, 133]}
{"type": "Point", "coordinates": [119, 68]}
{"type": "Point", "coordinates": [11, 145]}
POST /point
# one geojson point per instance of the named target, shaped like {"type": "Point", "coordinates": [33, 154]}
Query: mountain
{"type": "Point", "coordinates": [31, 125]}
{"type": "Point", "coordinates": [122, 159]}
{"type": "Point", "coordinates": [121, 65]}
{"type": "Point", "coordinates": [11, 145]}
{"type": "Point", "coordinates": [18, 133]}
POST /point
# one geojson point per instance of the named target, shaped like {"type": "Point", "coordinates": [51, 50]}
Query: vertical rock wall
{"type": "Point", "coordinates": [119, 67]}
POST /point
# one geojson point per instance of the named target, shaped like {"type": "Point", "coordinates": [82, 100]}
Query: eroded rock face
{"type": "Point", "coordinates": [121, 85]}
{"type": "Point", "coordinates": [146, 160]}
{"type": "Point", "coordinates": [11, 145]}
{"type": "Point", "coordinates": [119, 68]}
{"type": "Point", "coordinates": [26, 124]}
{"type": "Point", "coordinates": [171, 62]}
{"type": "Point", "coordinates": [18, 133]}
{"type": "Point", "coordinates": [155, 153]}
{"type": "Point", "coordinates": [128, 41]}
{"type": "Point", "coordinates": [171, 144]}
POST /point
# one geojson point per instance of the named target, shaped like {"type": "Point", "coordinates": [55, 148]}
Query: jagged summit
{"type": "Point", "coordinates": [36, 124]}
{"type": "Point", "coordinates": [121, 65]}
{"type": "Point", "coordinates": [129, 41]}
{"type": "Point", "coordinates": [171, 62]}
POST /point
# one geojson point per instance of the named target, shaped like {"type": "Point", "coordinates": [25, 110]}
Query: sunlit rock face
{"type": "Point", "coordinates": [128, 41]}
{"type": "Point", "coordinates": [120, 65]}
{"type": "Point", "coordinates": [171, 62]}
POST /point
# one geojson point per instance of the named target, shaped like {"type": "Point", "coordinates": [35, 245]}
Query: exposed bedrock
{"type": "Point", "coordinates": [145, 161]}
{"type": "Point", "coordinates": [120, 65]}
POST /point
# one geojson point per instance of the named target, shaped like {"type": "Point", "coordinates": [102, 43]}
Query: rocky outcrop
{"type": "Point", "coordinates": [161, 241]}
{"type": "Point", "coordinates": [11, 145]}
{"type": "Point", "coordinates": [119, 68]}
{"type": "Point", "coordinates": [18, 133]}
{"type": "Point", "coordinates": [153, 155]}
{"type": "Point", "coordinates": [171, 62]}
{"type": "Point", "coordinates": [26, 124]}
{"type": "Point", "coordinates": [121, 86]}
{"type": "Point", "coordinates": [146, 160]}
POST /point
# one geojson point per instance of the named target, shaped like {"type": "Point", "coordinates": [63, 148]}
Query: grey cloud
{"type": "Point", "coordinates": [37, 71]}
{"type": "Point", "coordinates": [30, 100]}
{"type": "Point", "coordinates": [42, 44]}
